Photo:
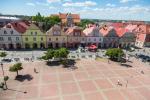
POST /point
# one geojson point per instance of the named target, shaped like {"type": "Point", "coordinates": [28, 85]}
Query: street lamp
{"type": "Point", "coordinates": [3, 74]}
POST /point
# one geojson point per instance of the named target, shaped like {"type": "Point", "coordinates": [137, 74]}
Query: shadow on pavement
{"type": "Point", "coordinates": [17, 91]}
{"type": "Point", "coordinates": [126, 65]}
{"type": "Point", "coordinates": [22, 78]}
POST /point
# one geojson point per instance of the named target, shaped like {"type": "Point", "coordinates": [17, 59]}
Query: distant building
{"type": "Point", "coordinates": [142, 35]}
{"type": "Point", "coordinates": [5, 20]}
{"type": "Point", "coordinates": [68, 19]}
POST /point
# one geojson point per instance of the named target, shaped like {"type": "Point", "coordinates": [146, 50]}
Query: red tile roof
{"type": "Point", "coordinates": [64, 16]}
{"type": "Point", "coordinates": [20, 27]}
{"type": "Point", "coordinates": [105, 30]}
{"type": "Point", "coordinates": [120, 31]}
{"type": "Point", "coordinates": [70, 30]}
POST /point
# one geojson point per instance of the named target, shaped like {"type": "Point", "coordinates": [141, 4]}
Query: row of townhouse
{"type": "Point", "coordinates": [17, 35]}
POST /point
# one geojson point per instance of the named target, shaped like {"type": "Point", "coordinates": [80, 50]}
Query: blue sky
{"type": "Point", "coordinates": [97, 9]}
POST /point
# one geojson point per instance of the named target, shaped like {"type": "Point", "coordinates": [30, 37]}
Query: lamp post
{"type": "Point", "coordinates": [3, 75]}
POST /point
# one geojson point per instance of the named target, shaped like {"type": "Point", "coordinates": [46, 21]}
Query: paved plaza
{"type": "Point", "coordinates": [93, 80]}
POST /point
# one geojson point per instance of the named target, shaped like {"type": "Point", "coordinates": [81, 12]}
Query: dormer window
{"type": "Point", "coordinates": [5, 32]}
{"type": "Point", "coordinates": [11, 32]}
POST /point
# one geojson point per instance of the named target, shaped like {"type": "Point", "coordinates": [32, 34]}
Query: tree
{"type": "Point", "coordinates": [63, 52]}
{"type": "Point", "coordinates": [3, 54]}
{"type": "Point", "coordinates": [48, 55]}
{"type": "Point", "coordinates": [85, 22]}
{"type": "Point", "coordinates": [46, 21]}
{"type": "Point", "coordinates": [38, 18]}
{"type": "Point", "coordinates": [115, 54]}
{"type": "Point", "coordinates": [59, 53]}
{"type": "Point", "coordinates": [16, 67]}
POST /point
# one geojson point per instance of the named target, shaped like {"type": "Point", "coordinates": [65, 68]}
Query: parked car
{"type": "Point", "coordinates": [6, 60]}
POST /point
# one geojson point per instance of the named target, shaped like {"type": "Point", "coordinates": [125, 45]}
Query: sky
{"type": "Point", "coordinates": [92, 9]}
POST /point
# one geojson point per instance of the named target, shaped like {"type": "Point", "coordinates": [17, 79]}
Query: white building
{"type": "Point", "coordinates": [93, 36]}
{"type": "Point", "coordinates": [10, 38]}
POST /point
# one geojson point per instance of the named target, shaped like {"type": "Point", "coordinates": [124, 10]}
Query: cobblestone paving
{"type": "Point", "coordinates": [93, 80]}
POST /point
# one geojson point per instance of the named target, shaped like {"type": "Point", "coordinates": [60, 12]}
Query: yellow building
{"type": "Point", "coordinates": [34, 37]}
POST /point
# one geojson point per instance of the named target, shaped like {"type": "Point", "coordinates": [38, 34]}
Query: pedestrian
{"type": "Point", "coordinates": [142, 72]}
{"type": "Point", "coordinates": [127, 83]}
{"type": "Point", "coordinates": [108, 61]}
{"type": "Point", "coordinates": [118, 83]}
{"type": "Point", "coordinates": [35, 71]}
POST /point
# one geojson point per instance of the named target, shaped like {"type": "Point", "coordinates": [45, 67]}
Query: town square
{"type": "Point", "coordinates": [74, 50]}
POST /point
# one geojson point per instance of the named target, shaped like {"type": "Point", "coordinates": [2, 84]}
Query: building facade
{"type": "Point", "coordinates": [93, 36]}
{"type": "Point", "coordinates": [56, 37]}
{"type": "Point", "coordinates": [34, 38]}
{"type": "Point", "coordinates": [10, 38]}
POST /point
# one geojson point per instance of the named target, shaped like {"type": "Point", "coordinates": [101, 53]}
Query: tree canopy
{"type": "Point", "coordinates": [85, 22]}
{"type": "Point", "coordinates": [47, 21]}
{"type": "Point", "coordinates": [58, 53]}
{"type": "Point", "coordinates": [16, 67]}
{"type": "Point", "coordinates": [115, 53]}
{"type": "Point", "coordinates": [3, 54]}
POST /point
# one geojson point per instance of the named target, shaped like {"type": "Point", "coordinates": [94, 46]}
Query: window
{"type": "Point", "coordinates": [89, 39]}
{"type": "Point", "coordinates": [34, 39]}
{"type": "Point", "coordinates": [31, 33]}
{"type": "Point", "coordinates": [76, 33]}
{"type": "Point", "coordinates": [17, 38]}
{"type": "Point", "coordinates": [56, 33]}
{"type": "Point", "coordinates": [11, 32]}
{"type": "Point", "coordinates": [100, 39]}
{"type": "Point", "coordinates": [82, 39]}
{"type": "Point", "coordinates": [35, 33]}
{"type": "Point", "coordinates": [56, 39]}
{"type": "Point", "coordinates": [94, 39]}
{"type": "Point", "coordinates": [5, 32]}
{"type": "Point", "coordinates": [26, 39]}
{"type": "Point", "coordinates": [41, 38]}
{"type": "Point", "coordinates": [9, 38]}
{"type": "Point", "coordinates": [64, 39]}
{"type": "Point", "coordinates": [1, 39]}
{"type": "Point", "coordinates": [49, 39]}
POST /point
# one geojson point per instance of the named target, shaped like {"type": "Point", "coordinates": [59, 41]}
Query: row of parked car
{"type": "Point", "coordinates": [144, 58]}
{"type": "Point", "coordinates": [7, 60]}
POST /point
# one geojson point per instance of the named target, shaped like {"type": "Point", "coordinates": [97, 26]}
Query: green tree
{"type": "Point", "coordinates": [85, 22]}
{"type": "Point", "coordinates": [3, 54]}
{"type": "Point", "coordinates": [16, 67]}
{"type": "Point", "coordinates": [63, 52]}
{"type": "Point", "coordinates": [48, 55]}
{"type": "Point", "coordinates": [38, 18]}
{"type": "Point", "coordinates": [115, 54]}
{"type": "Point", "coordinates": [59, 53]}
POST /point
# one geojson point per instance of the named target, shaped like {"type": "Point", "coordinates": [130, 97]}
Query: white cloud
{"type": "Point", "coordinates": [125, 1]}
{"type": "Point", "coordinates": [67, 0]}
{"type": "Point", "coordinates": [79, 4]}
{"type": "Point", "coordinates": [53, 1]}
{"type": "Point", "coordinates": [30, 4]}
{"type": "Point", "coordinates": [135, 12]}
{"type": "Point", "coordinates": [52, 7]}
{"type": "Point", "coordinates": [42, 4]}
{"type": "Point", "coordinates": [110, 5]}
